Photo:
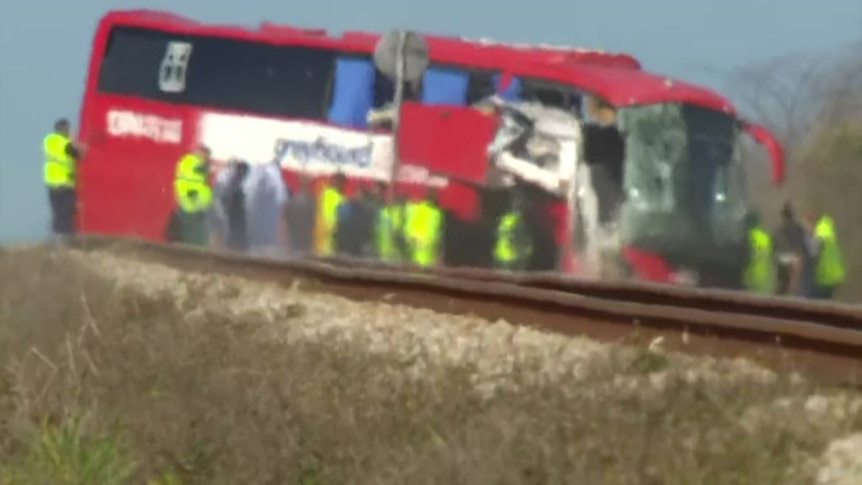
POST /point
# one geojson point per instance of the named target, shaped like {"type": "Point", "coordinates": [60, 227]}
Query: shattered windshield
{"type": "Point", "coordinates": [683, 184]}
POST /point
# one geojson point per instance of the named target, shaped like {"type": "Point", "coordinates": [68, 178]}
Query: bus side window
{"type": "Point", "coordinates": [444, 85]}
{"type": "Point", "coordinates": [512, 92]}
{"type": "Point", "coordinates": [219, 72]}
{"type": "Point", "coordinates": [132, 63]}
{"type": "Point", "coordinates": [290, 80]}
{"type": "Point", "coordinates": [384, 90]}
{"type": "Point", "coordinates": [552, 94]}
{"type": "Point", "coordinates": [481, 86]}
{"type": "Point", "coordinates": [353, 92]}
{"type": "Point", "coordinates": [174, 66]}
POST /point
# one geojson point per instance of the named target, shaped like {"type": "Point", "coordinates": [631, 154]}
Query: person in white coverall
{"type": "Point", "coordinates": [265, 195]}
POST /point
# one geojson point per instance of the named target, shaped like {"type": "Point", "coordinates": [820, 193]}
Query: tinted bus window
{"type": "Point", "coordinates": [481, 86]}
{"type": "Point", "coordinates": [217, 72]}
{"type": "Point", "coordinates": [552, 94]}
{"type": "Point", "coordinates": [384, 90]}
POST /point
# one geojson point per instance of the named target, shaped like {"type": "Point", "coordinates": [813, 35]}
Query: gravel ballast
{"type": "Point", "coordinates": [472, 401]}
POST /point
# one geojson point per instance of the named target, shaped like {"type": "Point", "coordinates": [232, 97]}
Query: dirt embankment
{"type": "Point", "coordinates": [120, 368]}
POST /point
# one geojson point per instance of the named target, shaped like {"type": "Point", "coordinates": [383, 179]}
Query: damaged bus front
{"type": "Point", "coordinates": [649, 171]}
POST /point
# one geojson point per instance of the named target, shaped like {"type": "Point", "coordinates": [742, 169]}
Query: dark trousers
{"type": "Point", "coordinates": [63, 207]}
{"type": "Point", "coordinates": [193, 228]}
{"type": "Point", "coordinates": [237, 234]}
{"type": "Point", "coordinates": [822, 292]}
{"type": "Point", "coordinates": [783, 279]}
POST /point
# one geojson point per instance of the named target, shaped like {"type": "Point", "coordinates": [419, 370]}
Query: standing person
{"type": "Point", "coordinates": [298, 216]}
{"type": "Point", "coordinates": [423, 228]}
{"type": "Point", "coordinates": [373, 201]}
{"type": "Point", "coordinates": [792, 254]}
{"type": "Point", "coordinates": [806, 282]}
{"type": "Point", "coordinates": [331, 196]}
{"type": "Point", "coordinates": [356, 218]}
{"type": "Point", "coordinates": [389, 227]}
{"type": "Point", "coordinates": [218, 216]}
{"type": "Point", "coordinates": [266, 195]}
{"type": "Point", "coordinates": [759, 276]}
{"type": "Point", "coordinates": [828, 263]}
{"type": "Point", "coordinates": [513, 247]}
{"type": "Point", "coordinates": [193, 195]}
{"type": "Point", "coordinates": [540, 217]}
{"type": "Point", "coordinates": [60, 170]}
{"type": "Point", "coordinates": [233, 203]}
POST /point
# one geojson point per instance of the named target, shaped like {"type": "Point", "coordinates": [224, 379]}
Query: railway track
{"type": "Point", "coordinates": [714, 300]}
{"type": "Point", "coordinates": [823, 339]}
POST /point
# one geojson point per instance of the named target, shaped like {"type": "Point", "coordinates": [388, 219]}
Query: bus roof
{"type": "Point", "coordinates": [266, 32]}
{"type": "Point", "coordinates": [495, 52]}
{"type": "Point", "coordinates": [503, 51]}
{"type": "Point", "coordinates": [620, 83]}
{"type": "Point", "coordinates": [622, 87]}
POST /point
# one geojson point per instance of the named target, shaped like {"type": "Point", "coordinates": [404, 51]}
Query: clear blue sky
{"type": "Point", "coordinates": [44, 46]}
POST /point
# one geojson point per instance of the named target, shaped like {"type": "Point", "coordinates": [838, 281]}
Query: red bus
{"type": "Point", "coordinates": [122, 97]}
{"type": "Point", "coordinates": [158, 84]}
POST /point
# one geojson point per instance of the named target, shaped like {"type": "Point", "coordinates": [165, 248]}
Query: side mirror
{"type": "Point", "coordinates": [773, 147]}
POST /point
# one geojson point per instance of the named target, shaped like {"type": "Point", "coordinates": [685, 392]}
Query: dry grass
{"type": "Point", "coordinates": [120, 371]}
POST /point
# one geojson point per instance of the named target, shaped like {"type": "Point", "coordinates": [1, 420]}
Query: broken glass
{"type": "Point", "coordinates": [682, 178]}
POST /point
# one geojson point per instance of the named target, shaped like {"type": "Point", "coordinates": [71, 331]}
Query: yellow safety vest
{"type": "Point", "coordinates": [830, 266]}
{"type": "Point", "coordinates": [760, 274]}
{"type": "Point", "coordinates": [422, 231]}
{"type": "Point", "coordinates": [191, 188]}
{"type": "Point", "coordinates": [506, 251]}
{"type": "Point", "coordinates": [327, 220]}
{"type": "Point", "coordinates": [59, 168]}
{"type": "Point", "coordinates": [389, 224]}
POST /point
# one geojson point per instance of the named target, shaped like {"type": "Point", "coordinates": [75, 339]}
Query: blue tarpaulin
{"type": "Point", "coordinates": [512, 91]}
{"type": "Point", "coordinates": [445, 86]}
{"type": "Point", "coordinates": [353, 92]}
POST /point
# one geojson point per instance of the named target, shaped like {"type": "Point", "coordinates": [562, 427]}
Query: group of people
{"type": "Point", "coordinates": [370, 223]}
{"type": "Point", "coordinates": [801, 257]}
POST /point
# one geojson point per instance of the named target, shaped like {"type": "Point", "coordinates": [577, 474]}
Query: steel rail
{"type": "Point", "coordinates": [723, 301]}
{"type": "Point", "coordinates": [521, 301]}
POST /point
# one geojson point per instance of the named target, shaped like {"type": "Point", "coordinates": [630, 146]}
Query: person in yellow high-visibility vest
{"type": "Point", "coordinates": [513, 248]}
{"type": "Point", "coordinates": [194, 195]}
{"type": "Point", "coordinates": [759, 276]}
{"type": "Point", "coordinates": [829, 270]}
{"type": "Point", "coordinates": [389, 230]}
{"type": "Point", "coordinates": [60, 177]}
{"type": "Point", "coordinates": [422, 230]}
{"type": "Point", "coordinates": [326, 221]}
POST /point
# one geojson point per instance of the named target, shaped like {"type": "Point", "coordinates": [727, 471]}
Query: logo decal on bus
{"type": "Point", "coordinates": [322, 151]}
{"type": "Point", "coordinates": [172, 72]}
{"type": "Point", "coordinates": [303, 146]}
{"type": "Point", "coordinates": [122, 123]}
